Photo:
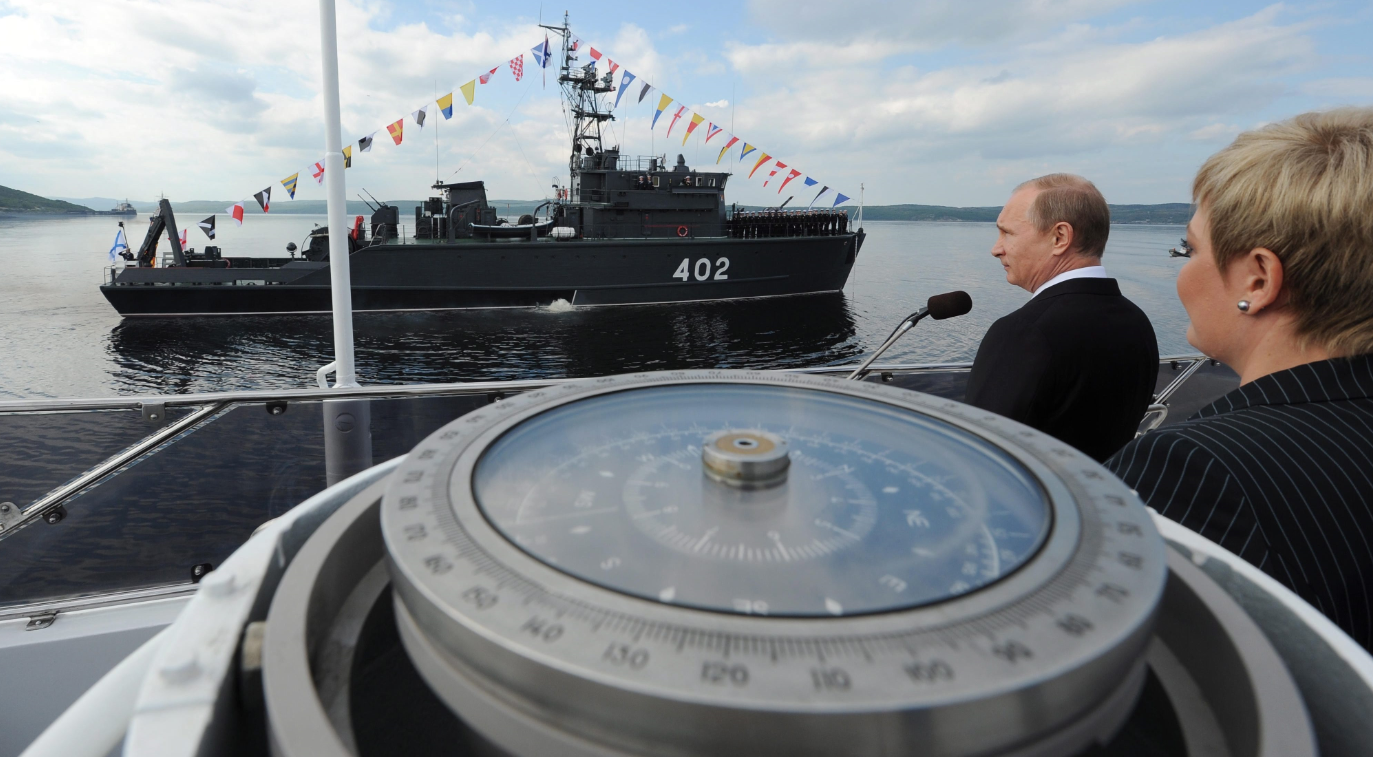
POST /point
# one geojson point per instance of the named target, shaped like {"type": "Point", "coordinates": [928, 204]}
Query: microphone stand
{"type": "Point", "coordinates": [901, 328]}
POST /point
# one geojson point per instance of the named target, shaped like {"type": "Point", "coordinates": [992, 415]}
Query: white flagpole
{"type": "Point", "coordinates": [345, 372]}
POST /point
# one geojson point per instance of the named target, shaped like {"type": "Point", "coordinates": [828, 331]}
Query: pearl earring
{"type": "Point", "coordinates": [1243, 305]}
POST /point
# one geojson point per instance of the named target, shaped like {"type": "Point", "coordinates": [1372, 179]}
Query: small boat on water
{"type": "Point", "coordinates": [123, 209]}
{"type": "Point", "coordinates": [525, 229]}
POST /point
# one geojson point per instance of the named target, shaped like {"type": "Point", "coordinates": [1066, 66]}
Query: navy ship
{"type": "Point", "coordinates": [625, 230]}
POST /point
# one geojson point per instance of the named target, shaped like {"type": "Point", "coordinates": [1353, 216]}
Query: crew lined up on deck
{"type": "Point", "coordinates": [751, 224]}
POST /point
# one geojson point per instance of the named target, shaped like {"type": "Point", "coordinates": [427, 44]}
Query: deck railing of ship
{"type": "Point", "coordinates": [139, 496]}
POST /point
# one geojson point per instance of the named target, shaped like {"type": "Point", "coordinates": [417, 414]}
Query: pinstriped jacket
{"type": "Point", "coordinates": [1280, 472]}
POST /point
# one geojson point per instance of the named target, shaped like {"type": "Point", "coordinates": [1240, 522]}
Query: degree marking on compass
{"type": "Point", "coordinates": [702, 543]}
{"type": "Point", "coordinates": [841, 470]}
{"type": "Point", "coordinates": [650, 513]}
{"type": "Point", "coordinates": [836, 529]}
{"type": "Point", "coordinates": [577, 514]}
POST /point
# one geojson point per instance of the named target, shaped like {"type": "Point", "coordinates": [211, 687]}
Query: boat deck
{"type": "Point", "coordinates": [141, 495]}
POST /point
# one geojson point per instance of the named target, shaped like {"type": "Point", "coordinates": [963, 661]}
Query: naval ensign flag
{"type": "Point", "coordinates": [119, 245]}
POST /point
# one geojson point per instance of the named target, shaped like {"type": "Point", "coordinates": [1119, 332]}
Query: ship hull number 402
{"type": "Point", "coordinates": [702, 270]}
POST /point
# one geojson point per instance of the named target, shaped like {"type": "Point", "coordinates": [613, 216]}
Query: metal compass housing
{"type": "Point", "coordinates": [720, 562]}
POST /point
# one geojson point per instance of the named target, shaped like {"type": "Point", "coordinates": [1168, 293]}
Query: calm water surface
{"type": "Point", "coordinates": [59, 338]}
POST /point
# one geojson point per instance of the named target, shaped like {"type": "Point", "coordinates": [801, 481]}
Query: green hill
{"type": "Point", "coordinates": [16, 201]}
{"type": "Point", "coordinates": [926, 213]}
{"type": "Point", "coordinates": [1168, 212]}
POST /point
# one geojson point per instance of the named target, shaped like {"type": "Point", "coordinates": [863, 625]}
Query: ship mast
{"type": "Point", "coordinates": [582, 91]}
{"type": "Point", "coordinates": [342, 367]}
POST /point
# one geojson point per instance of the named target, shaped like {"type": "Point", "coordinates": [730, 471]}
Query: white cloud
{"type": "Point", "coordinates": [928, 24]}
{"type": "Point", "coordinates": [209, 97]}
{"type": "Point", "coordinates": [205, 99]}
{"type": "Point", "coordinates": [636, 52]}
{"type": "Point", "coordinates": [1042, 102]}
{"type": "Point", "coordinates": [1214, 132]}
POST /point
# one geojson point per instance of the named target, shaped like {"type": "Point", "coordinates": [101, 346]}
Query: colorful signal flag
{"type": "Point", "coordinates": [724, 149]}
{"type": "Point", "coordinates": [624, 84]}
{"type": "Point", "coordinates": [760, 162]}
{"type": "Point", "coordinates": [542, 53]}
{"type": "Point", "coordinates": [290, 183]}
{"type": "Point", "coordinates": [663, 102]}
{"type": "Point", "coordinates": [680, 110]}
{"type": "Point", "coordinates": [696, 120]}
{"type": "Point", "coordinates": [780, 165]}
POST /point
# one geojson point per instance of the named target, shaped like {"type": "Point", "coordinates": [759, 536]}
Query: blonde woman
{"type": "Point", "coordinates": [1279, 286]}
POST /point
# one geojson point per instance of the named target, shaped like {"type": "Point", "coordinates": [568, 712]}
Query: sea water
{"type": "Point", "coordinates": [60, 338]}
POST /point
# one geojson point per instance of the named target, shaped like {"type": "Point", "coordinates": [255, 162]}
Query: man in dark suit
{"type": "Point", "coordinates": [1078, 361]}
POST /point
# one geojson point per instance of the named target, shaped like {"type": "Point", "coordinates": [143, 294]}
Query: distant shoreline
{"type": "Point", "coordinates": [6, 213]}
{"type": "Point", "coordinates": [1173, 213]}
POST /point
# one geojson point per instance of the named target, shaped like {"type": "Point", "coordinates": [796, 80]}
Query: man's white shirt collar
{"type": "Point", "coordinates": [1088, 272]}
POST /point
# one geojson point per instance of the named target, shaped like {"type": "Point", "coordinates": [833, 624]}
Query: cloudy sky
{"type": "Point", "coordinates": [948, 102]}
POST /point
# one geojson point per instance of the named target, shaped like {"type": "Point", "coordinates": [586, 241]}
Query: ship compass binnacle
{"type": "Point", "coordinates": [746, 563]}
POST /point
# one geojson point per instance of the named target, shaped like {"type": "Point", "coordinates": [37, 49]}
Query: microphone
{"type": "Point", "coordinates": [938, 307]}
{"type": "Point", "coordinates": [949, 305]}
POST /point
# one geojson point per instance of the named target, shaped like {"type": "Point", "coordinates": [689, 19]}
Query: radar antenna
{"type": "Point", "coordinates": [582, 90]}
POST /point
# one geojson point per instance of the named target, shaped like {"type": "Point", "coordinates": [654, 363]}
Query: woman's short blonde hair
{"type": "Point", "coordinates": [1303, 188]}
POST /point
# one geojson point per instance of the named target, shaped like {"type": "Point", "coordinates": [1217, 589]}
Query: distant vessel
{"type": "Point", "coordinates": [627, 230]}
{"type": "Point", "coordinates": [123, 209]}
{"type": "Point", "coordinates": [1181, 251]}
